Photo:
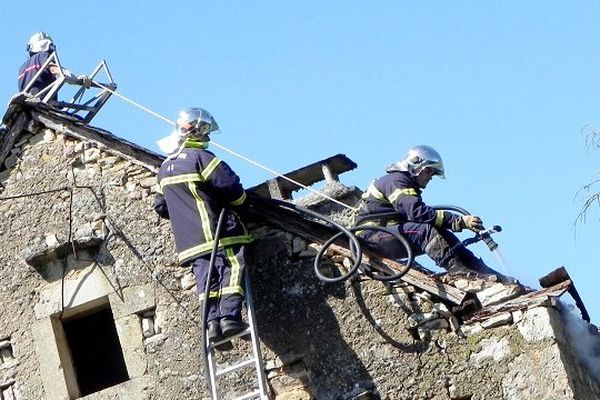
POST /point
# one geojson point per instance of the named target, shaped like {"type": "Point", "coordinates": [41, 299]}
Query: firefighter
{"type": "Point", "coordinates": [428, 231]}
{"type": "Point", "coordinates": [40, 47]}
{"type": "Point", "coordinates": [194, 186]}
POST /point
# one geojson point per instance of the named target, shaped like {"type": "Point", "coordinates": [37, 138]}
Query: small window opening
{"type": "Point", "coordinates": [95, 350]}
{"type": "Point", "coordinates": [6, 352]}
{"type": "Point", "coordinates": [150, 325]}
{"type": "Point", "coordinates": [7, 393]}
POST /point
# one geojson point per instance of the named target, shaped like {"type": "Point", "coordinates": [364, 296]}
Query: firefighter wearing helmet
{"type": "Point", "coordinates": [40, 47]}
{"type": "Point", "coordinates": [194, 187]}
{"type": "Point", "coordinates": [428, 231]}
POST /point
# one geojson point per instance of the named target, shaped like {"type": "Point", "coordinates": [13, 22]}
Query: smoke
{"type": "Point", "coordinates": [584, 338]}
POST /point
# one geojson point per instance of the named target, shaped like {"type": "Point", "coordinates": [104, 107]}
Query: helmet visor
{"type": "Point", "coordinates": [436, 170]}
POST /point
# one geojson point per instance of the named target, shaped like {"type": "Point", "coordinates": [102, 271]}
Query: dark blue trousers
{"type": "Point", "coordinates": [226, 287]}
{"type": "Point", "coordinates": [423, 239]}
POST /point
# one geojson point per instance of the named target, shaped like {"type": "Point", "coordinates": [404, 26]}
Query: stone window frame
{"type": "Point", "coordinates": [127, 305]}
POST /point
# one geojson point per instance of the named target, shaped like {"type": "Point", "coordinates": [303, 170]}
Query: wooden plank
{"type": "Point", "coordinates": [307, 175]}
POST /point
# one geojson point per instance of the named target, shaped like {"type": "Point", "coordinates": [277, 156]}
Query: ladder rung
{"type": "Point", "coordinates": [248, 395]}
{"type": "Point", "coordinates": [230, 338]}
{"type": "Point", "coordinates": [236, 366]}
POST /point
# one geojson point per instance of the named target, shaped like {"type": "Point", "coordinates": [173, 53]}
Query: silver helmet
{"type": "Point", "coordinates": [40, 41]}
{"type": "Point", "coordinates": [195, 123]}
{"type": "Point", "coordinates": [417, 159]}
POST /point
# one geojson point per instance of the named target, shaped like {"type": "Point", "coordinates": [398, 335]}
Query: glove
{"type": "Point", "coordinates": [85, 81]}
{"type": "Point", "coordinates": [471, 222]}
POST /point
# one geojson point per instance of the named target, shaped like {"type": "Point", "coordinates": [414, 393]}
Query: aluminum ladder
{"type": "Point", "coordinates": [251, 361]}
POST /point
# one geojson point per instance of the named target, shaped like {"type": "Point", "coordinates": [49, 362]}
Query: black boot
{"type": "Point", "coordinates": [470, 263]}
{"type": "Point", "coordinates": [214, 331]}
{"type": "Point", "coordinates": [231, 326]}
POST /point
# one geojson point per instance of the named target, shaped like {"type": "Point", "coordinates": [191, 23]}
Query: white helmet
{"type": "Point", "coordinates": [40, 41]}
{"type": "Point", "coordinates": [202, 123]}
{"type": "Point", "coordinates": [417, 159]}
{"type": "Point", "coordinates": [192, 123]}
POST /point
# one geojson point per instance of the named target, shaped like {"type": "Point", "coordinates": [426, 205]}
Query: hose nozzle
{"type": "Point", "coordinates": [486, 237]}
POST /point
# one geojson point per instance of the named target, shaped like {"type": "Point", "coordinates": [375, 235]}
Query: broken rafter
{"type": "Point", "coordinates": [561, 275]}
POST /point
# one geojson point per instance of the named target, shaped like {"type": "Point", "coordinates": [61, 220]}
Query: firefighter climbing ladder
{"type": "Point", "coordinates": [251, 361]}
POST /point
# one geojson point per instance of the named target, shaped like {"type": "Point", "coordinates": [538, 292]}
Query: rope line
{"type": "Point", "coordinates": [255, 163]}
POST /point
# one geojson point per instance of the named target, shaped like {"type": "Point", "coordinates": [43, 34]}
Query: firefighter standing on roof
{"type": "Point", "coordinates": [194, 186]}
{"type": "Point", "coordinates": [40, 47]}
{"type": "Point", "coordinates": [426, 229]}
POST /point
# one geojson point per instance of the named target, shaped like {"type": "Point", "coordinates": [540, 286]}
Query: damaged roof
{"type": "Point", "coordinates": [27, 114]}
{"type": "Point", "coordinates": [22, 106]}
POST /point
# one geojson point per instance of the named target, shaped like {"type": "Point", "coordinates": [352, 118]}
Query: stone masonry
{"type": "Point", "coordinates": [79, 236]}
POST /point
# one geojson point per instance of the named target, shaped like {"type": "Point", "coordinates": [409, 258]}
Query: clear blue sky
{"type": "Point", "coordinates": [503, 90]}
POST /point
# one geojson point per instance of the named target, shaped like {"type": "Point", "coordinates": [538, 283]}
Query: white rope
{"type": "Point", "coordinates": [233, 152]}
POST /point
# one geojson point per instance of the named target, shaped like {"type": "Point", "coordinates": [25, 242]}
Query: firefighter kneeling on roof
{"type": "Point", "coordinates": [194, 186]}
{"type": "Point", "coordinates": [427, 230]}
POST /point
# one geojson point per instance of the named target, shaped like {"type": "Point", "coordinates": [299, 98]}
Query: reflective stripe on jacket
{"type": "Point", "coordinates": [30, 68]}
{"type": "Point", "coordinates": [194, 187]}
{"type": "Point", "coordinates": [398, 192]}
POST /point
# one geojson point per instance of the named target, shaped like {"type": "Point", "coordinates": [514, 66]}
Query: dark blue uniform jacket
{"type": "Point", "coordinates": [398, 191]}
{"type": "Point", "coordinates": [193, 188]}
{"type": "Point", "coordinates": [30, 68]}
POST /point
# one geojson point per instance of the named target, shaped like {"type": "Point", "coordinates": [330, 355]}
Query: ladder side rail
{"type": "Point", "coordinates": [262, 385]}
{"type": "Point", "coordinates": [212, 367]}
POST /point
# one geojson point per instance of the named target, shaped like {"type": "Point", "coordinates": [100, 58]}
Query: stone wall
{"type": "Point", "coordinates": [356, 340]}
{"type": "Point", "coordinates": [396, 342]}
